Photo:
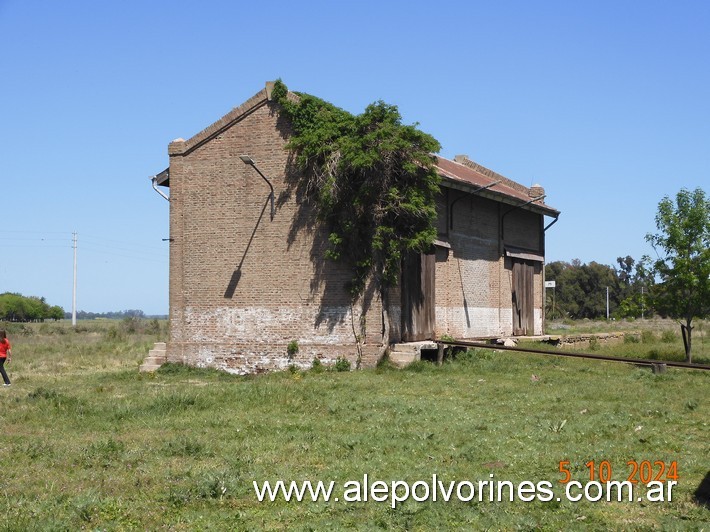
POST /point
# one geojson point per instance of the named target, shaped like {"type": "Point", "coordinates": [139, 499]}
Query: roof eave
{"type": "Point", "coordinates": [497, 196]}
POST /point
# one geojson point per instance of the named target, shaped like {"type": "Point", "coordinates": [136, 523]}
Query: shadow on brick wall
{"type": "Point", "coordinates": [237, 274]}
{"type": "Point", "coordinates": [330, 278]}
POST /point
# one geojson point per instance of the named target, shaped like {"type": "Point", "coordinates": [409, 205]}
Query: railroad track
{"type": "Point", "coordinates": [637, 361]}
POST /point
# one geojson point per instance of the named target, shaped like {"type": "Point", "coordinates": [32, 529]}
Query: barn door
{"type": "Point", "coordinates": [418, 311]}
{"type": "Point", "coordinates": [523, 298]}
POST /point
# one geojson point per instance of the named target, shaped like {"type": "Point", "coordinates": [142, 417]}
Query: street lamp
{"type": "Point", "coordinates": [249, 161]}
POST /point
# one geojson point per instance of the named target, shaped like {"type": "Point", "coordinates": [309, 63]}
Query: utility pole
{"type": "Point", "coordinates": [642, 302]}
{"type": "Point", "coordinates": [607, 303]}
{"type": "Point", "coordinates": [73, 296]}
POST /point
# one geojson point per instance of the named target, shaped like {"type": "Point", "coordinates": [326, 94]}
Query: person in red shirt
{"type": "Point", "coordinates": [5, 354]}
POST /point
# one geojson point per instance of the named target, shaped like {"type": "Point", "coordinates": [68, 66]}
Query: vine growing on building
{"type": "Point", "coordinates": [374, 181]}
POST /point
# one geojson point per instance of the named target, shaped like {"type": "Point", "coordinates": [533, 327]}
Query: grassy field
{"type": "Point", "coordinates": [89, 443]}
{"type": "Point", "coordinates": [655, 339]}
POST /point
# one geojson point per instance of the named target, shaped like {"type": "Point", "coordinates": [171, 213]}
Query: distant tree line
{"type": "Point", "coordinates": [581, 289]}
{"type": "Point", "coordinates": [116, 315]}
{"type": "Point", "coordinates": [16, 307]}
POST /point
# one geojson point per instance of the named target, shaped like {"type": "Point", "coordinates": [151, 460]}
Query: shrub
{"type": "Point", "coordinates": [648, 337]}
{"type": "Point", "coordinates": [317, 366]}
{"type": "Point", "coordinates": [342, 364]}
{"type": "Point", "coordinates": [130, 324]}
{"type": "Point", "coordinates": [114, 334]}
{"type": "Point", "coordinates": [668, 337]}
{"type": "Point", "coordinates": [631, 339]}
{"type": "Point", "coordinates": [153, 327]}
{"type": "Point", "coordinates": [471, 356]}
{"type": "Point", "coordinates": [292, 348]}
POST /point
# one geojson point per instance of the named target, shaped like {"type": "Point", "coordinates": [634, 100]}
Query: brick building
{"type": "Point", "coordinates": [247, 268]}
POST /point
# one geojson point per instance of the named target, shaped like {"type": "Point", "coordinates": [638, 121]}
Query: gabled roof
{"type": "Point", "coordinates": [464, 174]}
{"type": "Point", "coordinates": [183, 147]}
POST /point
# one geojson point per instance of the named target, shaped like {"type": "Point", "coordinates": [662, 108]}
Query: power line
{"type": "Point", "coordinates": [16, 246]}
{"type": "Point", "coordinates": [95, 244]}
{"type": "Point", "coordinates": [121, 242]}
{"type": "Point", "coordinates": [38, 232]}
{"type": "Point", "coordinates": [101, 248]}
{"type": "Point", "coordinates": [155, 259]}
{"type": "Point", "coordinates": [15, 239]}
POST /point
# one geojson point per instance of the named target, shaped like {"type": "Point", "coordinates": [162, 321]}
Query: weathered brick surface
{"type": "Point", "coordinates": [473, 277]}
{"type": "Point", "coordinates": [242, 286]}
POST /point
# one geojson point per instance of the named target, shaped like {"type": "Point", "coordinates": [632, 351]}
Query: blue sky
{"type": "Point", "coordinates": [604, 103]}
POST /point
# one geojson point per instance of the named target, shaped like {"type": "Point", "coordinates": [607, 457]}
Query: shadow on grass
{"type": "Point", "coordinates": [702, 494]}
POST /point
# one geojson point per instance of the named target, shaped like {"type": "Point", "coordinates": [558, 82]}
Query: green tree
{"type": "Point", "coordinates": [36, 308]}
{"type": "Point", "coordinates": [683, 263]}
{"type": "Point", "coordinates": [12, 307]}
{"type": "Point", "coordinates": [56, 313]}
{"type": "Point", "coordinates": [16, 307]}
{"type": "Point", "coordinates": [374, 181]}
{"type": "Point", "coordinates": [581, 288]}
{"type": "Point", "coordinates": [635, 280]}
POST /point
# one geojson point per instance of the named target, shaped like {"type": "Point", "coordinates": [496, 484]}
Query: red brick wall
{"type": "Point", "coordinates": [242, 286]}
{"type": "Point", "coordinates": [473, 277]}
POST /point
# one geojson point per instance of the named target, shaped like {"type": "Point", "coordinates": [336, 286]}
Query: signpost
{"type": "Point", "coordinates": [551, 284]}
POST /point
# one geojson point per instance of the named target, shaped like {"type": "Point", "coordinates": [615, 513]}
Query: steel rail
{"type": "Point", "coordinates": [637, 361]}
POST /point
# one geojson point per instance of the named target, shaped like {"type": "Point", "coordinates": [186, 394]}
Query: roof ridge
{"type": "Point", "coordinates": [473, 165]}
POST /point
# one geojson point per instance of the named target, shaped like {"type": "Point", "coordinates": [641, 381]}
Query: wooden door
{"type": "Point", "coordinates": [418, 310]}
{"type": "Point", "coordinates": [523, 298]}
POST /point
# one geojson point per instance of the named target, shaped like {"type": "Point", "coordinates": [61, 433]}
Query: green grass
{"type": "Point", "coordinates": [655, 339]}
{"type": "Point", "coordinates": [89, 443]}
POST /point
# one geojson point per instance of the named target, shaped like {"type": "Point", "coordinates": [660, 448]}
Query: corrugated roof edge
{"type": "Point", "coordinates": [469, 176]}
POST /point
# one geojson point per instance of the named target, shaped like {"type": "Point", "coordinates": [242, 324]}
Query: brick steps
{"type": "Point", "coordinates": [156, 358]}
